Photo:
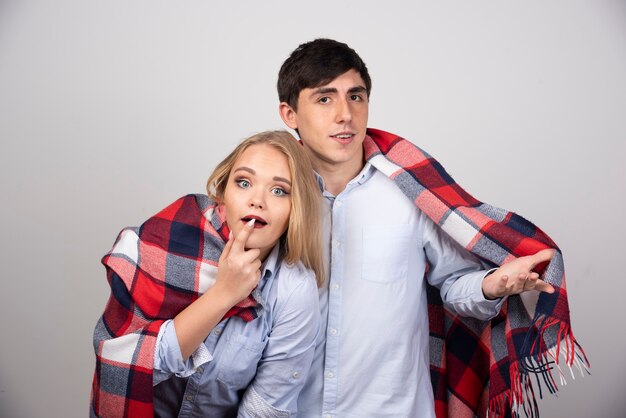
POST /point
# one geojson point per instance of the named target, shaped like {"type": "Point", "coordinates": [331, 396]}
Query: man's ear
{"type": "Point", "coordinates": [288, 115]}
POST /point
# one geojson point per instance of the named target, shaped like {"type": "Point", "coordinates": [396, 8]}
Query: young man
{"type": "Point", "coordinates": [373, 359]}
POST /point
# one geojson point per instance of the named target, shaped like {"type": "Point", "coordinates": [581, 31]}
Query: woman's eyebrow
{"type": "Point", "coordinates": [248, 169]}
{"type": "Point", "coordinates": [275, 178]}
{"type": "Point", "coordinates": [284, 180]}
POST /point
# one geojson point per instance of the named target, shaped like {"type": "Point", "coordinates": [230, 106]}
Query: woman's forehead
{"type": "Point", "coordinates": [263, 159]}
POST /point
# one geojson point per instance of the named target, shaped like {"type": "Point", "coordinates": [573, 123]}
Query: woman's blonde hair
{"type": "Point", "coordinates": [302, 240]}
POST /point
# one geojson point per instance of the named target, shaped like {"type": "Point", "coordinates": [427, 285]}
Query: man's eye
{"type": "Point", "coordinates": [277, 191]}
{"type": "Point", "coordinates": [243, 183]}
{"type": "Point", "coordinates": [324, 100]}
{"type": "Point", "coordinates": [355, 97]}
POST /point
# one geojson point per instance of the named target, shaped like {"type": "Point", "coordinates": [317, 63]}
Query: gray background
{"type": "Point", "coordinates": [109, 110]}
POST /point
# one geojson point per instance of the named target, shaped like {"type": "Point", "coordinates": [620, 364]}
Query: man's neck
{"type": "Point", "coordinates": [337, 176]}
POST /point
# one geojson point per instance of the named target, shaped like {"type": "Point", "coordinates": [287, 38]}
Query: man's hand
{"type": "Point", "coordinates": [238, 271]}
{"type": "Point", "coordinates": [517, 276]}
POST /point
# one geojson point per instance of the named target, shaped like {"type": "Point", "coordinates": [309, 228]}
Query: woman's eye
{"type": "Point", "coordinates": [243, 183]}
{"type": "Point", "coordinates": [277, 191]}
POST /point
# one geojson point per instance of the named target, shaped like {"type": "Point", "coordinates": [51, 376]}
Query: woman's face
{"type": "Point", "coordinates": [259, 187]}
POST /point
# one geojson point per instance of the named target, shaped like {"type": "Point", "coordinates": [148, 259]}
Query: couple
{"type": "Point", "coordinates": [215, 301]}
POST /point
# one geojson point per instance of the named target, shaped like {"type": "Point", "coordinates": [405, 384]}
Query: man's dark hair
{"type": "Point", "coordinates": [316, 63]}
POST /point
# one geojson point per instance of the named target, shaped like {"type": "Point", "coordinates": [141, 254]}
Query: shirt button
{"type": "Point", "coordinates": [200, 369]}
{"type": "Point", "coordinates": [335, 287]}
{"type": "Point", "coordinates": [333, 331]}
{"type": "Point", "coordinates": [330, 375]}
{"type": "Point", "coordinates": [335, 243]}
{"type": "Point", "coordinates": [338, 202]}
{"type": "Point", "coordinates": [295, 375]}
{"type": "Point", "coordinates": [189, 398]}
{"type": "Point", "coordinates": [218, 331]}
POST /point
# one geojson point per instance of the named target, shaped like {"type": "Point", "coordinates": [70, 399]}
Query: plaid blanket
{"type": "Point", "coordinates": [154, 272]}
{"type": "Point", "coordinates": [477, 367]}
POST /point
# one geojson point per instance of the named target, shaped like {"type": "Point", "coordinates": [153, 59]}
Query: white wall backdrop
{"type": "Point", "coordinates": [111, 109]}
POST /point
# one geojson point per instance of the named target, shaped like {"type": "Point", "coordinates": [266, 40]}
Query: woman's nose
{"type": "Point", "coordinates": [256, 202]}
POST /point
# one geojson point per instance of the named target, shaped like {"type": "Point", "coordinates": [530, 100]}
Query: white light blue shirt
{"type": "Point", "coordinates": [245, 369]}
{"type": "Point", "coordinates": [372, 357]}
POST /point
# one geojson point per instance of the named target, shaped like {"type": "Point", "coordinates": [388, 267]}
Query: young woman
{"type": "Point", "coordinates": [198, 328]}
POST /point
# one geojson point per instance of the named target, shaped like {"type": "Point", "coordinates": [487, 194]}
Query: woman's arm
{"type": "Point", "coordinates": [238, 274]}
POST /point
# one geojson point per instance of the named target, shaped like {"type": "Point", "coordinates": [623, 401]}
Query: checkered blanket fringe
{"type": "Point", "coordinates": [154, 272]}
{"type": "Point", "coordinates": [482, 368]}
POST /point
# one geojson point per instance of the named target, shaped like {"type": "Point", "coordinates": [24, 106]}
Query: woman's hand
{"type": "Point", "coordinates": [238, 271]}
{"type": "Point", "coordinates": [237, 275]}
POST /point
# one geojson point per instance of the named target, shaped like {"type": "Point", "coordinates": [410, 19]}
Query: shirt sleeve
{"type": "Point", "coordinates": [168, 359]}
{"type": "Point", "coordinates": [457, 273]}
{"type": "Point", "coordinates": [286, 361]}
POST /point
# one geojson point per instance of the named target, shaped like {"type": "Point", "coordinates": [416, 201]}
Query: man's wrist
{"type": "Point", "coordinates": [482, 287]}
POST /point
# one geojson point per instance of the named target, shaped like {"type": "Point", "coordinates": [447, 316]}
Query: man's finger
{"type": "Point", "coordinates": [518, 284]}
{"type": "Point", "coordinates": [531, 282]}
{"type": "Point", "coordinates": [544, 287]}
{"type": "Point", "coordinates": [542, 256]}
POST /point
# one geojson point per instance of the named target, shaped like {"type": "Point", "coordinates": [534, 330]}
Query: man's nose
{"type": "Point", "coordinates": [344, 112]}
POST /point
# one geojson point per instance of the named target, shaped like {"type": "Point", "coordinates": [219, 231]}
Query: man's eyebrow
{"type": "Point", "coordinates": [325, 90]}
{"type": "Point", "coordinates": [357, 89]}
{"type": "Point", "coordinates": [284, 180]}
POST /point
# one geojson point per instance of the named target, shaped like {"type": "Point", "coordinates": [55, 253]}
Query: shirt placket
{"type": "Point", "coordinates": [333, 329]}
{"type": "Point", "coordinates": [191, 393]}
{"type": "Point", "coordinates": [195, 380]}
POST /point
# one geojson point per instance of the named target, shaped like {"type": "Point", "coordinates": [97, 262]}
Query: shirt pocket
{"type": "Point", "coordinates": [386, 251]}
{"type": "Point", "coordinates": [239, 360]}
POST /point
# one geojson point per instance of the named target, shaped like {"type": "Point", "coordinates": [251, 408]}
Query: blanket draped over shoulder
{"type": "Point", "coordinates": [477, 367]}
{"type": "Point", "coordinates": [484, 367]}
{"type": "Point", "coordinates": [154, 272]}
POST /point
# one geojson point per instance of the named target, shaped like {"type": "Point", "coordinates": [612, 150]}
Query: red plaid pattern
{"type": "Point", "coordinates": [483, 367]}
{"type": "Point", "coordinates": [154, 272]}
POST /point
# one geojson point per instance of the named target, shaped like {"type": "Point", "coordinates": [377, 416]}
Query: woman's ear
{"type": "Point", "coordinates": [288, 115]}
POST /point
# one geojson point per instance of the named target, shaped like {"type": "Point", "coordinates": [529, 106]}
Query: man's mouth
{"type": "Point", "coordinates": [343, 137]}
{"type": "Point", "coordinates": [259, 222]}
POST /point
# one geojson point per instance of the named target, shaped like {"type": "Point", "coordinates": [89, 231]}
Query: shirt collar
{"type": "Point", "coordinates": [268, 269]}
{"type": "Point", "coordinates": [365, 174]}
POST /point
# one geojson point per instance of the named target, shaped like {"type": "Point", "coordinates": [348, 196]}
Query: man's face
{"type": "Point", "coordinates": [331, 120]}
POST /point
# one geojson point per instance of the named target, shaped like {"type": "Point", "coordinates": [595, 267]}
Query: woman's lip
{"type": "Point", "coordinates": [259, 222]}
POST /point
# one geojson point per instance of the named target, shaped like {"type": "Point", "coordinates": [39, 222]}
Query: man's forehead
{"type": "Point", "coordinates": [351, 80]}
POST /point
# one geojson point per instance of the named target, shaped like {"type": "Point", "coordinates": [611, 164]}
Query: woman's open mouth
{"type": "Point", "coordinates": [258, 221]}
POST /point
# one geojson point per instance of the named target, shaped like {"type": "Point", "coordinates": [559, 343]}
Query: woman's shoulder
{"type": "Point", "coordinates": [295, 282]}
{"type": "Point", "coordinates": [294, 294]}
{"type": "Point", "coordinates": [295, 274]}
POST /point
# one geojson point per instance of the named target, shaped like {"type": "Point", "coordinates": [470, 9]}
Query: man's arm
{"type": "Point", "coordinates": [457, 273]}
